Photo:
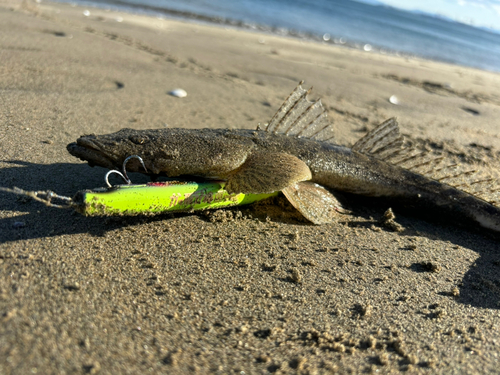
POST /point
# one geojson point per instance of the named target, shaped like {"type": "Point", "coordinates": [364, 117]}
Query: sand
{"type": "Point", "coordinates": [244, 291]}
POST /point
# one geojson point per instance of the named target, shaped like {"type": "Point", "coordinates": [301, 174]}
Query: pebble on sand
{"type": "Point", "coordinates": [178, 93]}
{"type": "Point", "coordinates": [394, 100]}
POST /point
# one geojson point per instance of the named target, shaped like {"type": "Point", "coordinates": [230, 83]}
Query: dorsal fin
{"type": "Point", "coordinates": [382, 142]}
{"type": "Point", "coordinates": [299, 117]}
{"type": "Point", "coordinates": [472, 179]}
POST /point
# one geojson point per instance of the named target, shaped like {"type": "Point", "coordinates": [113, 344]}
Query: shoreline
{"type": "Point", "coordinates": [186, 16]}
{"type": "Point", "coordinates": [325, 38]}
{"type": "Point", "coordinates": [255, 289]}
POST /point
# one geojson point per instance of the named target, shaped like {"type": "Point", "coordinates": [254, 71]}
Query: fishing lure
{"type": "Point", "coordinates": [144, 199]}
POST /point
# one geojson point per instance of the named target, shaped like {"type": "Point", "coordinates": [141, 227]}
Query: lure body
{"type": "Point", "coordinates": [291, 156]}
{"type": "Point", "coordinates": [146, 199]}
{"type": "Point", "coordinates": [159, 197]}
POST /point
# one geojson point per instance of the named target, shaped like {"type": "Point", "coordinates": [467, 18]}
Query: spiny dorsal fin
{"type": "Point", "coordinates": [382, 142]}
{"type": "Point", "coordinates": [299, 117]}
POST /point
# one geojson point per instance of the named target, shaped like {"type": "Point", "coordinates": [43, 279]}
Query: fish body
{"type": "Point", "coordinates": [291, 156]}
{"type": "Point", "coordinates": [217, 153]}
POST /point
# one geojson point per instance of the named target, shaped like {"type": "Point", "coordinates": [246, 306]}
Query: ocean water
{"type": "Point", "coordinates": [374, 28]}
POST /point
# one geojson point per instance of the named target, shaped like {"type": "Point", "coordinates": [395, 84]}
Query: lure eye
{"type": "Point", "coordinates": [139, 139]}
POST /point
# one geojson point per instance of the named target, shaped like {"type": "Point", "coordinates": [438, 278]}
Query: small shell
{"type": "Point", "coordinates": [86, 13]}
{"type": "Point", "coordinates": [394, 100]}
{"type": "Point", "coordinates": [178, 93]}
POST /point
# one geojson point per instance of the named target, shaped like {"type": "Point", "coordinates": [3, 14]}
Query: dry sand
{"type": "Point", "coordinates": [252, 290]}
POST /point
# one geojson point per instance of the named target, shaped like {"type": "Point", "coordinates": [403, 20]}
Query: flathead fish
{"type": "Point", "coordinates": [293, 154]}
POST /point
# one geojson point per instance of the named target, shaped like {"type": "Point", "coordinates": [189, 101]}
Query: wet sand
{"type": "Point", "coordinates": [248, 290]}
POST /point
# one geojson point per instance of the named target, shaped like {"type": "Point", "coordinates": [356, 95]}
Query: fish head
{"type": "Point", "coordinates": [108, 151]}
{"type": "Point", "coordinates": [171, 152]}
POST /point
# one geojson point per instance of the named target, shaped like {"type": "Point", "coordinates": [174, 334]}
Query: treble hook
{"type": "Point", "coordinates": [124, 175]}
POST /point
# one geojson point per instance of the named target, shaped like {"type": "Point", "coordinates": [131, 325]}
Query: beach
{"type": "Point", "coordinates": [251, 290]}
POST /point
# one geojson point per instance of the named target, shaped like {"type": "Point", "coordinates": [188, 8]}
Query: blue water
{"type": "Point", "coordinates": [355, 24]}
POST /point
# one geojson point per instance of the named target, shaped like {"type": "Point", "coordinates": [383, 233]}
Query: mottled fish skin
{"type": "Point", "coordinates": [226, 154]}
{"type": "Point", "coordinates": [171, 152]}
{"type": "Point", "coordinates": [216, 153]}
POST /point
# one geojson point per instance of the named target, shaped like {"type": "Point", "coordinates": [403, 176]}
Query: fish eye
{"type": "Point", "coordinates": [139, 139]}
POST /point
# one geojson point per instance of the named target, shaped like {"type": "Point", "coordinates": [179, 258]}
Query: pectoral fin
{"type": "Point", "coordinates": [313, 201]}
{"type": "Point", "coordinates": [267, 172]}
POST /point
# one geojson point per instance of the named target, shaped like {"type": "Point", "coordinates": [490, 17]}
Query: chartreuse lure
{"type": "Point", "coordinates": [158, 197]}
{"type": "Point", "coordinates": [145, 199]}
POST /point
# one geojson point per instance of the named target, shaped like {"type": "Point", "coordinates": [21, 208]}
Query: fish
{"type": "Point", "coordinates": [294, 153]}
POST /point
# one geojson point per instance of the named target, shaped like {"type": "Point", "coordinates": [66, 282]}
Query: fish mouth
{"type": "Point", "coordinates": [87, 150]}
